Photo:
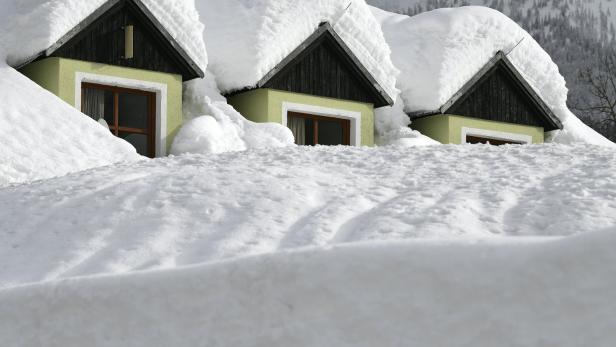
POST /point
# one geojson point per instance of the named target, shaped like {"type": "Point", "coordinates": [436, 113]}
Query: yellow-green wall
{"type": "Point", "coordinates": [266, 105]}
{"type": "Point", "coordinates": [252, 104]}
{"type": "Point", "coordinates": [45, 73]}
{"type": "Point", "coordinates": [448, 128]}
{"type": "Point", "coordinates": [58, 76]}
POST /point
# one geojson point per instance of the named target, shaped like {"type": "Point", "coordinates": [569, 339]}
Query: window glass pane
{"type": "Point", "coordinates": [330, 133]}
{"type": "Point", "coordinates": [98, 103]}
{"type": "Point", "coordinates": [139, 141]}
{"type": "Point", "coordinates": [133, 110]}
{"type": "Point", "coordinates": [298, 128]}
{"type": "Point", "coordinates": [484, 140]}
{"type": "Point", "coordinates": [310, 132]}
{"type": "Point", "coordinates": [109, 109]}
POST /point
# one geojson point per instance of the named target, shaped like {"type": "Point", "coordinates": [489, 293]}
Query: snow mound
{"type": "Point", "coordinates": [44, 137]}
{"type": "Point", "coordinates": [213, 126]}
{"type": "Point", "coordinates": [439, 51]}
{"type": "Point", "coordinates": [247, 39]}
{"type": "Point", "coordinates": [192, 209]}
{"type": "Point", "coordinates": [55, 18]}
{"type": "Point", "coordinates": [391, 127]}
{"type": "Point", "coordinates": [525, 292]}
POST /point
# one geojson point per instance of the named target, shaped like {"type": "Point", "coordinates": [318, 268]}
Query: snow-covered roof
{"type": "Point", "coordinates": [439, 51]}
{"type": "Point", "coordinates": [30, 27]}
{"type": "Point", "coordinates": [246, 39]}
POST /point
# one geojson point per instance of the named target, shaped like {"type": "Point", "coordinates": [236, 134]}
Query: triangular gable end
{"type": "Point", "coordinates": [100, 38]}
{"type": "Point", "coordinates": [323, 65]}
{"type": "Point", "coordinates": [498, 92]}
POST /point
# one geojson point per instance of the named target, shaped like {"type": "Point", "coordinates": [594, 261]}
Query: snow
{"type": "Point", "coordinates": [391, 127]}
{"type": "Point", "coordinates": [438, 245]}
{"type": "Point", "coordinates": [247, 39]}
{"type": "Point", "coordinates": [55, 18]}
{"type": "Point", "coordinates": [439, 51]}
{"type": "Point", "coordinates": [528, 293]}
{"type": "Point", "coordinates": [44, 137]}
{"type": "Point", "coordinates": [213, 126]}
{"type": "Point", "coordinates": [193, 209]}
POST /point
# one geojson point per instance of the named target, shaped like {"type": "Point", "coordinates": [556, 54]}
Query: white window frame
{"type": "Point", "coordinates": [496, 135]}
{"type": "Point", "coordinates": [159, 89]}
{"type": "Point", "coordinates": [352, 116]}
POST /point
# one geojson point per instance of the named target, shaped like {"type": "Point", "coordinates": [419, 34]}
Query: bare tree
{"type": "Point", "coordinates": [600, 108]}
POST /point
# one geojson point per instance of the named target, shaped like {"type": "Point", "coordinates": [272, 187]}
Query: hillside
{"type": "Point", "coordinates": [575, 33]}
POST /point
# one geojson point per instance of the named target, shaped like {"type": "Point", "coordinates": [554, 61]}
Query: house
{"type": "Point", "coordinates": [121, 67]}
{"type": "Point", "coordinates": [319, 70]}
{"type": "Point", "coordinates": [496, 106]}
{"type": "Point", "coordinates": [320, 91]}
{"type": "Point", "coordinates": [459, 86]}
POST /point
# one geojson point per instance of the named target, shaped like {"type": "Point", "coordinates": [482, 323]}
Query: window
{"type": "Point", "coordinates": [497, 138]}
{"type": "Point", "coordinates": [129, 113]}
{"type": "Point", "coordinates": [485, 140]}
{"type": "Point", "coordinates": [313, 130]}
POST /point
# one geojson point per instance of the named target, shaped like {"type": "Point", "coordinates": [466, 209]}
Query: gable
{"type": "Point", "coordinates": [101, 39]}
{"type": "Point", "coordinates": [324, 66]}
{"type": "Point", "coordinates": [499, 94]}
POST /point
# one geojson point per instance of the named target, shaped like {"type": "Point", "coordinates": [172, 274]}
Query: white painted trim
{"type": "Point", "coordinates": [496, 135]}
{"type": "Point", "coordinates": [354, 117]}
{"type": "Point", "coordinates": [161, 100]}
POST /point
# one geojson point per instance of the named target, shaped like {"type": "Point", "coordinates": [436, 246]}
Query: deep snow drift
{"type": "Point", "coordinates": [192, 209]}
{"type": "Point", "coordinates": [439, 51]}
{"type": "Point", "coordinates": [213, 126]}
{"type": "Point", "coordinates": [44, 137]}
{"type": "Point", "coordinates": [527, 293]}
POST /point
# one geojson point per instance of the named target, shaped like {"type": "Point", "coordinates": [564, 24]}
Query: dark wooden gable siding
{"type": "Point", "coordinates": [102, 41]}
{"type": "Point", "coordinates": [499, 97]}
{"type": "Point", "coordinates": [324, 69]}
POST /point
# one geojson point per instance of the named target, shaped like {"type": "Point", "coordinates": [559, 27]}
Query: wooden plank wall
{"type": "Point", "coordinates": [497, 97]}
{"type": "Point", "coordinates": [103, 42]}
{"type": "Point", "coordinates": [322, 71]}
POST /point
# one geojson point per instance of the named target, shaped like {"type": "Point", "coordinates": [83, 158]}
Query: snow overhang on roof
{"type": "Point", "coordinates": [500, 58]}
{"type": "Point", "coordinates": [325, 29]}
{"type": "Point", "coordinates": [247, 41]}
{"type": "Point", "coordinates": [440, 51]}
{"type": "Point", "coordinates": [175, 22]}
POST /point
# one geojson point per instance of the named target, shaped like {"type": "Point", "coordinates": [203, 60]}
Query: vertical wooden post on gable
{"type": "Point", "coordinates": [129, 42]}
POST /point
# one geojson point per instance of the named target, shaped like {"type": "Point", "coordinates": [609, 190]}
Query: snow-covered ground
{"type": "Point", "coordinates": [192, 209]}
{"type": "Point", "coordinates": [436, 245]}
{"type": "Point", "coordinates": [530, 292]}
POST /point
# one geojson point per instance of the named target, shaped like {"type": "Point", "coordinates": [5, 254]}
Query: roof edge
{"type": "Point", "coordinates": [423, 114]}
{"type": "Point", "coordinates": [100, 11]}
{"type": "Point", "coordinates": [500, 56]}
{"type": "Point", "coordinates": [323, 28]}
